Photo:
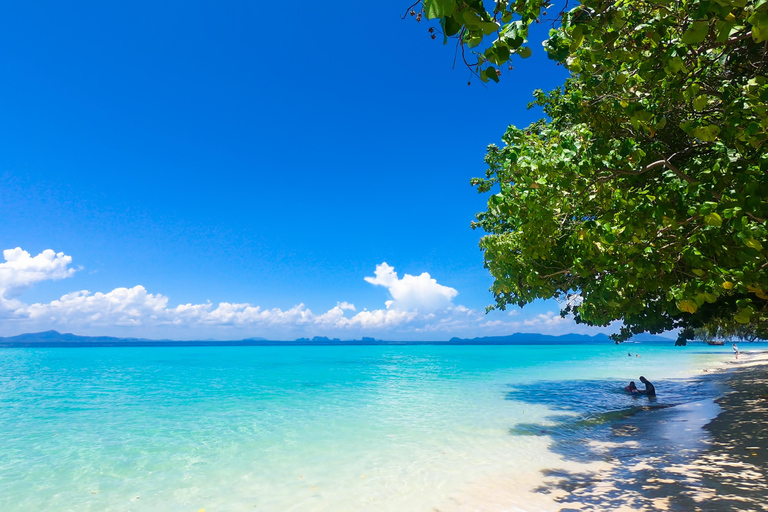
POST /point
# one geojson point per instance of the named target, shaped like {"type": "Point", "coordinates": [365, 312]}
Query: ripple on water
{"type": "Point", "coordinates": [326, 428]}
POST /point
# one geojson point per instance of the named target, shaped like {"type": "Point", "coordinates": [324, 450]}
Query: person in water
{"type": "Point", "coordinates": [632, 388]}
{"type": "Point", "coordinates": [649, 389]}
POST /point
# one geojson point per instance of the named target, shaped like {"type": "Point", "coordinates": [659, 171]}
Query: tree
{"type": "Point", "coordinates": [731, 331]}
{"type": "Point", "coordinates": [643, 197]}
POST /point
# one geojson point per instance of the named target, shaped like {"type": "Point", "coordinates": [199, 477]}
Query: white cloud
{"type": "Point", "coordinates": [345, 306]}
{"type": "Point", "coordinates": [121, 306]}
{"type": "Point", "coordinates": [420, 293]}
{"type": "Point", "coordinates": [380, 319]}
{"type": "Point", "coordinates": [550, 318]}
{"type": "Point", "coordinates": [21, 270]}
{"type": "Point", "coordinates": [420, 309]}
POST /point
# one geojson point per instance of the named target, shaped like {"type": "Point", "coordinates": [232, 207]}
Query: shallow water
{"type": "Point", "coordinates": [307, 428]}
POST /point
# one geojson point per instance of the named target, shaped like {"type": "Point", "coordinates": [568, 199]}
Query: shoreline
{"type": "Point", "coordinates": [708, 455]}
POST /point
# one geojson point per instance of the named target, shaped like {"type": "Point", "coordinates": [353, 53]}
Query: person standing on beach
{"type": "Point", "coordinates": [736, 350]}
{"type": "Point", "coordinates": [649, 389]}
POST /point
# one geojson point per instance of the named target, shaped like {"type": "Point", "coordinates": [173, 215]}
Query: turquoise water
{"type": "Point", "coordinates": [305, 428]}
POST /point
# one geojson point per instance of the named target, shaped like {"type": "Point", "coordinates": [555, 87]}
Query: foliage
{"type": "Point", "coordinates": [470, 24]}
{"type": "Point", "coordinates": [730, 331]}
{"type": "Point", "coordinates": [643, 199]}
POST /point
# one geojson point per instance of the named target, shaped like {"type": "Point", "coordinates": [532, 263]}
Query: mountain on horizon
{"type": "Point", "coordinates": [56, 339]}
{"type": "Point", "coordinates": [56, 336]}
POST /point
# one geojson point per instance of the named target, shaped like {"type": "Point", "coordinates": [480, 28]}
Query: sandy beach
{"type": "Point", "coordinates": [703, 456]}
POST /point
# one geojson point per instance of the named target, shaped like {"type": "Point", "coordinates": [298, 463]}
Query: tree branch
{"type": "Point", "coordinates": [567, 270]}
{"type": "Point", "coordinates": [409, 9]}
{"type": "Point", "coordinates": [664, 162]}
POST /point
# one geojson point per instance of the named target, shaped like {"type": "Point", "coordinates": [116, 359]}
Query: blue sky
{"type": "Point", "coordinates": [241, 153]}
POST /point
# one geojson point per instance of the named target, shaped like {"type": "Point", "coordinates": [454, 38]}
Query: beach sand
{"type": "Point", "coordinates": [680, 458]}
{"type": "Point", "coordinates": [709, 455]}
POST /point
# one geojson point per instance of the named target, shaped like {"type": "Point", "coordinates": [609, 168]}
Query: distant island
{"type": "Point", "coordinates": [57, 339]}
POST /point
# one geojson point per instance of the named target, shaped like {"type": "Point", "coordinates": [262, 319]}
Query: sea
{"type": "Point", "coordinates": [322, 428]}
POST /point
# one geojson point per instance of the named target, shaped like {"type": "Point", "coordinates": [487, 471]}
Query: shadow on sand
{"type": "Point", "coordinates": [662, 455]}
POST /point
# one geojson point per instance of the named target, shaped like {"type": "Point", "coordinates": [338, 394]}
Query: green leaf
{"type": "Point", "coordinates": [691, 91]}
{"type": "Point", "coordinates": [696, 33]}
{"type": "Point", "coordinates": [723, 30]}
{"type": "Point", "coordinates": [524, 52]}
{"type": "Point", "coordinates": [488, 27]}
{"type": "Point", "coordinates": [707, 207]}
{"type": "Point", "coordinates": [743, 316]}
{"type": "Point", "coordinates": [759, 21]}
{"type": "Point", "coordinates": [439, 8]}
{"type": "Point", "coordinates": [706, 133]}
{"type": "Point", "coordinates": [451, 27]}
{"type": "Point", "coordinates": [713, 219]}
{"type": "Point", "coordinates": [700, 102]}
{"type": "Point", "coordinates": [577, 37]}
{"type": "Point", "coordinates": [754, 244]}
{"type": "Point", "coordinates": [473, 21]}
{"type": "Point", "coordinates": [676, 64]}
{"type": "Point", "coordinates": [489, 73]}
{"type": "Point", "coordinates": [474, 41]}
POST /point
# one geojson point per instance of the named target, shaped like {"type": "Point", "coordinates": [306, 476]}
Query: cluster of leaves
{"type": "Point", "coordinates": [644, 195]}
{"type": "Point", "coordinates": [472, 26]}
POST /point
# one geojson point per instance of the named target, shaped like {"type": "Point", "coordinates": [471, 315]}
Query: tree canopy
{"type": "Point", "coordinates": [642, 197]}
